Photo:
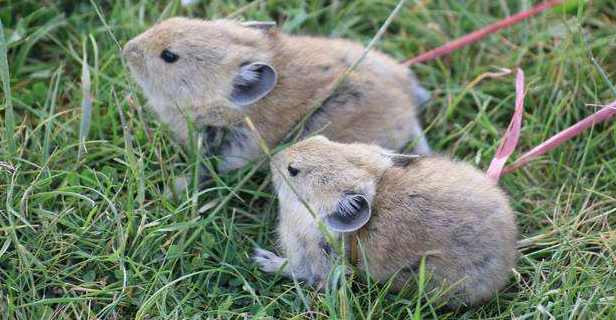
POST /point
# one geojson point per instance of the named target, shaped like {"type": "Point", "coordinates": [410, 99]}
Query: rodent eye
{"type": "Point", "coordinates": [168, 56]}
{"type": "Point", "coordinates": [292, 171]}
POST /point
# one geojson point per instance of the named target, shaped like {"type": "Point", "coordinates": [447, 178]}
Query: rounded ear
{"type": "Point", "coordinates": [253, 82]}
{"type": "Point", "coordinates": [402, 160]}
{"type": "Point", "coordinates": [352, 213]}
{"type": "Point", "coordinates": [264, 25]}
{"type": "Point", "coordinates": [319, 137]}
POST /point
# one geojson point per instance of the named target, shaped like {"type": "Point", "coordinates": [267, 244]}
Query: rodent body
{"type": "Point", "coordinates": [432, 207]}
{"type": "Point", "coordinates": [377, 104]}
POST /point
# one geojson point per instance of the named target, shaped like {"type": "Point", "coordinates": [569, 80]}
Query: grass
{"type": "Point", "coordinates": [86, 232]}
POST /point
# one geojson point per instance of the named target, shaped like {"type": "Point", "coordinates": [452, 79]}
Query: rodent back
{"type": "Point", "coordinates": [451, 214]}
{"type": "Point", "coordinates": [443, 201]}
{"type": "Point", "coordinates": [374, 105]}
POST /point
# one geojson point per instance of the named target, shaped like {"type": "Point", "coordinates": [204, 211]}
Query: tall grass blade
{"type": "Point", "coordinates": [52, 110]}
{"type": "Point", "coordinates": [294, 133]}
{"type": "Point", "coordinates": [86, 104]}
{"type": "Point", "coordinates": [9, 120]}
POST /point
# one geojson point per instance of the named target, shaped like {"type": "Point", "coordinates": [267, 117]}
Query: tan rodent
{"type": "Point", "coordinates": [221, 71]}
{"type": "Point", "coordinates": [407, 208]}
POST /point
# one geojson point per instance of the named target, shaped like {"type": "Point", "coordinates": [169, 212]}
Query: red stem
{"type": "Point", "coordinates": [559, 138]}
{"type": "Point", "coordinates": [476, 35]}
{"type": "Point", "coordinates": [511, 136]}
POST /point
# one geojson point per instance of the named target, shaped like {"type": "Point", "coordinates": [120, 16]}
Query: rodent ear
{"type": "Point", "coordinates": [352, 213]}
{"type": "Point", "coordinates": [253, 82]}
{"type": "Point", "coordinates": [402, 160]}
{"type": "Point", "coordinates": [263, 25]}
{"type": "Point", "coordinates": [318, 137]}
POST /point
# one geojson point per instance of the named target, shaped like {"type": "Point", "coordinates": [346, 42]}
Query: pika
{"type": "Point", "coordinates": [218, 72]}
{"type": "Point", "coordinates": [400, 209]}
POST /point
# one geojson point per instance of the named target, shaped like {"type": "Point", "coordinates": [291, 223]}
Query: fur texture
{"type": "Point", "coordinates": [377, 105]}
{"type": "Point", "coordinates": [433, 207]}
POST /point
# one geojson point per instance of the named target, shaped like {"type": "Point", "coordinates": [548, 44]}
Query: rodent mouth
{"type": "Point", "coordinates": [136, 69]}
{"type": "Point", "coordinates": [140, 74]}
{"type": "Point", "coordinates": [277, 180]}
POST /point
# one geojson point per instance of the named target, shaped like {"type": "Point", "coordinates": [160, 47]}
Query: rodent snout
{"type": "Point", "coordinates": [132, 53]}
{"type": "Point", "coordinates": [280, 163]}
{"type": "Point", "coordinates": [277, 160]}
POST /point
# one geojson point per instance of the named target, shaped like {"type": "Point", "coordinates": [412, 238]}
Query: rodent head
{"type": "Point", "coordinates": [337, 181]}
{"type": "Point", "coordinates": [198, 63]}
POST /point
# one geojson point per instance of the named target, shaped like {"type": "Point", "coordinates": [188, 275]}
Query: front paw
{"type": "Point", "coordinates": [268, 261]}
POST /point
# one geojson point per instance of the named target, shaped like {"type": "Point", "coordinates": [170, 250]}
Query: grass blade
{"type": "Point", "coordinates": [9, 117]}
{"type": "Point", "coordinates": [86, 104]}
{"type": "Point", "coordinates": [298, 129]}
{"type": "Point", "coordinates": [52, 110]}
{"type": "Point", "coordinates": [148, 303]}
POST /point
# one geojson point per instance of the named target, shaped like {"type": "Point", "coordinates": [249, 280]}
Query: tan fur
{"type": "Point", "coordinates": [444, 210]}
{"type": "Point", "coordinates": [376, 105]}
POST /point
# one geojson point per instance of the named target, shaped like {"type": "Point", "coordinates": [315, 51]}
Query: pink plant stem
{"type": "Point", "coordinates": [559, 138]}
{"type": "Point", "coordinates": [476, 35]}
{"type": "Point", "coordinates": [511, 136]}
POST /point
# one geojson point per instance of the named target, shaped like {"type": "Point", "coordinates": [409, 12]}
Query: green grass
{"type": "Point", "coordinates": [93, 237]}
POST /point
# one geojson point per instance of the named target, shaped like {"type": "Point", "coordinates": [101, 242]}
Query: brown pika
{"type": "Point", "coordinates": [401, 209]}
{"type": "Point", "coordinates": [217, 72]}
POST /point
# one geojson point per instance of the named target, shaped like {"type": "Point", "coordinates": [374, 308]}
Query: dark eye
{"type": "Point", "coordinates": [168, 56]}
{"type": "Point", "coordinates": [292, 171]}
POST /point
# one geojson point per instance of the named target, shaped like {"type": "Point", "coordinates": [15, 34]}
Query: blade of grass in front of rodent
{"type": "Point", "coordinates": [266, 151]}
{"type": "Point", "coordinates": [132, 102]}
{"type": "Point", "coordinates": [297, 131]}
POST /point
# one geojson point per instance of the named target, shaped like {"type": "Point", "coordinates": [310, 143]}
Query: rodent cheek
{"type": "Point", "coordinates": [165, 83]}
{"type": "Point", "coordinates": [313, 190]}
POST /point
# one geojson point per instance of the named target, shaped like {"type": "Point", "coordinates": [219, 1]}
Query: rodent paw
{"type": "Point", "coordinates": [268, 261]}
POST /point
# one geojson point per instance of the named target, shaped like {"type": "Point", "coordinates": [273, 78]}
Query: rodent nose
{"type": "Point", "coordinates": [132, 53]}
